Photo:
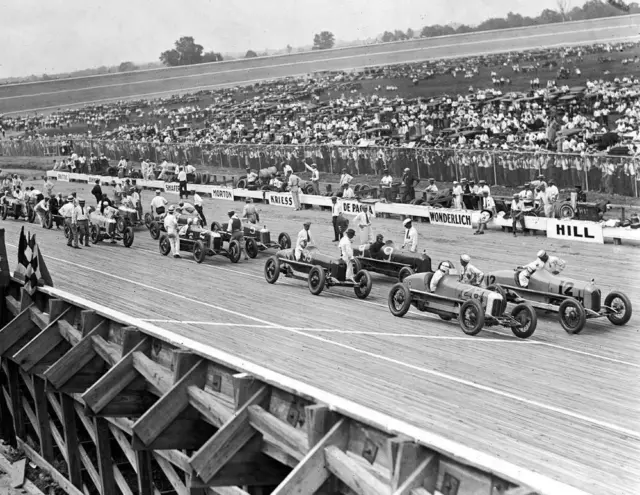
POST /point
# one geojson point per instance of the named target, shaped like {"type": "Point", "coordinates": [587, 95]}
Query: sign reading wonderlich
{"type": "Point", "coordinates": [455, 218]}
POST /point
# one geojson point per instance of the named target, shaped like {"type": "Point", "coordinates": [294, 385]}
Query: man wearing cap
{"type": "Point", "coordinates": [345, 178]}
{"type": "Point", "coordinates": [294, 187]}
{"type": "Point", "coordinates": [346, 252]}
{"type": "Point", "coordinates": [470, 274]}
{"type": "Point", "coordinates": [336, 211]}
{"type": "Point", "coordinates": [439, 274]}
{"type": "Point", "coordinates": [488, 205]}
{"type": "Point", "coordinates": [517, 215]}
{"type": "Point", "coordinates": [182, 180]}
{"type": "Point", "coordinates": [431, 190]}
{"type": "Point", "coordinates": [41, 208]}
{"type": "Point", "coordinates": [66, 212]}
{"type": "Point", "coordinates": [158, 204]}
{"type": "Point", "coordinates": [315, 178]}
{"type": "Point", "coordinates": [466, 194]}
{"type": "Point", "coordinates": [409, 182]}
{"type": "Point", "coordinates": [237, 232]}
{"type": "Point", "coordinates": [385, 184]}
{"type": "Point", "coordinates": [171, 226]}
{"type": "Point", "coordinates": [97, 191]}
{"type": "Point", "coordinates": [250, 212]}
{"type": "Point", "coordinates": [410, 236]}
{"type": "Point", "coordinates": [80, 222]}
{"type": "Point", "coordinates": [363, 221]}
{"type": "Point", "coordinates": [303, 240]}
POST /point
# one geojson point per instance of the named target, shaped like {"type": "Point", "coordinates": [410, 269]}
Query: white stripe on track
{"type": "Point", "coordinates": [461, 381]}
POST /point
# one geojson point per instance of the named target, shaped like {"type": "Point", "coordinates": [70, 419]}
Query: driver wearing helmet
{"type": "Point", "coordinates": [470, 274]}
{"type": "Point", "coordinates": [543, 261]}
{"type": "Point", "coordinates": [375, 250]}
{"type": "Point", "coordinates": [184, 230]}
{"type": "Point", "coordinates": [442, 270]}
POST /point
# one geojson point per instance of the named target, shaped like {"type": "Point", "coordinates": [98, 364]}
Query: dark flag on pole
{"type": "Point", "coordinates": [5, 273]}
{"type": "Point", "coordinates": [37, 272]}
{"type": "Point", "coordinates": [23, 260]}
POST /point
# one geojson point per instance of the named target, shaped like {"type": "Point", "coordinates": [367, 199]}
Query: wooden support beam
{"type": "Point", "coordinates": [183, 361]}
{"type": "Point", "coordinates": [131, 337]}
{"type": "Point", "coordinates": [68, 332]}
{"type": "Point", "coordinates": [170, 473]}
{"type": "Point", "coordinates": [114, 381]}
{"type": "Point", "coordinates": [520, 490]}
{"type": "Point", "coordinates": [25, 299]}
{"type": "Point", "coordinates": [39, 318]}
{"type": "Point", "coordinates": [352, 473]}
{"type": "Point", "coordinates": [13, 305]}
{"type": "Point", "coordinates": [157, 375]}
{"type": "Point", "coordinates": [6, 412]}
{"type": "Point", "coordinates": [42, 415]}
{"type": "Point", "coordinates": [56, 308]}
{"type": "Point", "coordinates": [31, 416]}
{"type": "Point", "coordinates": [108, 351]}
{"type": "Point", "coordinates": [145, 476]}
{"type": "Point", "coordinates": [229, 439]}
{"type": "Point", "coordinates": [211, 408]}
{"type": "Point", "coordinates": [132, 402]}
{"type": "Point", "coordinates": [75, 360]}
{"type": "Point", "coordinates": [291, 440]}
{"type": "Point", "coordinates": [42, 344]}
{"type": "Point", "coordinates": [89, 467]}
{"type": "Point", "coordinates": [312, 472]}
{"type": "Point", "coordinates": [319, 419]}
{"type": "Point", "coordinates": [16, 399]}
{"type": "Point", "coordinates": [415, 468]}
{"type": "Point", "coordinates": [89, 320]}
{"type": "Point", "coordinates": [166, 410]}
{"type": "Point", "coordinates": [15, 331]}
{"type": "Point", "coordinates": [244, 387]}
{"type": "Point", "coordinates": [71, 440]}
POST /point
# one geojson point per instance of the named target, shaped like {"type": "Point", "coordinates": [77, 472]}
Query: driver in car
{"type": "Point", "coordinates": [552, 264]}
{"type": "Point", "coordinates": [442, 270]}
{"type": "Point", "coordinates": [375, 250]}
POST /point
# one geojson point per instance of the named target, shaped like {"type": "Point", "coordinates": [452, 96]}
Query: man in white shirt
{"type": "Point", "coordinates": [439, 274]}
{"type": "Point", "coordinates": [410, 236]}
{"type": "Point", "coordinates": [171, 226]}
{"type": "Point", "coordinates": [517, 214]}
{"type": "Point", "coordinates": [80, 222]}
{"type": "Point", "coordinates": [543, 261]}
{"type": "Point", "coordinates": [158, 204]}
{"type": "Point", "coordinates": [431, 189]}
{"type": "Point", "coordinates": [182, 179]}
{"type": "Point", "coordinates": [346, 253]}
{"type": "Point", "coordinates": [66, 212]}
{"type": "Point", "coordinates": [345, 178]}
{"type": "Point", "coordinates": [41, 208]}
{"type": "Point", "coordinates": [347, 192]}
{"type": "Point", "coordinates": [385, 184]}
{"type": "Point", "coordinates": [363, 221]}
{"type": "Point", "coordinates": [315, 178]}
{"type": "Point", "coordinates": [303, 240]}
{"type": "Point", "coordinates": [457, 195]}
{"type": "Point", "coordinates": [469, 273]}
{"type": "Point", "coordinates": [198, 204]}
{"type": "Point", "coordinates": [294, 186]}
{"type": "Point", "coordinates": [336, 210]}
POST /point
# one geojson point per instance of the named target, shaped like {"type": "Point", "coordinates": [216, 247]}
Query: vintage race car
{"type": "Point", "coordinates": [260, 236]}
{"type": "Point", "coordinates": [157, 226]}
{"type": "Point", "coordinates": [575, 301]}
{"type": "Point", "coordinates": [127, 217]}
{"type": "Point", "coordinates": [18, 210]}
{"type": "Point", "coordinates": [320, 271]}
{"type": "Point", "coordinates": [102, 228]}
{"type": "Point", "coordinates": [202, 243]}
{"type": "Point", "coordinates": [396, 263]}
{"type": "Point", "coordinates": [474, 307]}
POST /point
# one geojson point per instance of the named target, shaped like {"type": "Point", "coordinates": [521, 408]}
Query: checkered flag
{"type": "Point", "coordinates": [37, 272]}
{"type": "Point", "coordinates": [23, 259]}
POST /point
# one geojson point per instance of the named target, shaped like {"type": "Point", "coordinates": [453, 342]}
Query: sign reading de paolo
{"type": "Point", "coordinates": [281, 199]}
{"type": "Point", "coordinates": [452, 218]}
{"type": "Point", "coordinates": [575, 229]}
{"type": "Point", "coordinates": [355, 207]}
{"type": "Point", "coordinates": [225, 193]}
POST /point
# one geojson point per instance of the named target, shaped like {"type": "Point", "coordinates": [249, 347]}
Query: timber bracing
{"type": "Point", "coordinates": [106, 408]}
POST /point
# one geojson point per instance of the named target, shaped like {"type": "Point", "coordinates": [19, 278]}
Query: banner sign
{"type": "Point", "coordinates": [172, 187]}
{"type": "Point", "coordinates": [452, 218]}
{"type": "Point", "coordinates": [575, 230]}
{"type": "Point", "coordinates": [353, 207]}
{"type": "Point", "coordinates": [281, 199]}
{"type": "Point", "coordinates": [92, 178]}
{"type": "Point", "coordinates": [62, 176]}
{"type": "Point", "coordinates": [218, 192]}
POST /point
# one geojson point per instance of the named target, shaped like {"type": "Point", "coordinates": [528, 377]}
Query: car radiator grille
{"type": "Point", "coordinates": [596, 300]}
{"type": "Point", "coordinates": [496, 305]}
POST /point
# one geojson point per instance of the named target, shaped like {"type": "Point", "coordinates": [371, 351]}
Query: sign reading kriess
{"type": "Point", "coordinates": [225, 193]}
{"type": "Point", "coordinates": [281, 199]}
{"type": "Point", "coordinates": [450, 217]}
{"type": "Point", "coordinates": [576, 230]}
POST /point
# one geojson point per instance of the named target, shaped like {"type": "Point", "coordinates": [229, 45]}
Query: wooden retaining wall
{"type": "Point", "coordinates": [112, 405]}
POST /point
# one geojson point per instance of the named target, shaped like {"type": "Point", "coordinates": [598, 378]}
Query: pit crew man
{"type": "Point", "coordinates": [543, 261]}
{"type": "Point", "coordinates": [517, 214]}
{"type": "Point", "coordinates": [80, 222]}
{"type": "Point", "coordinates": [346, 252]}
{"type": "Point", "coordinates": [237, 232]}
{"type": "Point", "coordinates": [66, 212]}
{"type": "Point", "coordinates": [303, 241]}
{"type": "Point", "coordinates": [442, 270]}
{"type": "Point", "coordinates": [363, 221]}
{"type": "Point", "coordinates": [171, 226]}
{"type": "Point", "coordinates": [410, 236]}
{"type": "Point", "coordinates": [186, 208]}
{"type": "Point", "coordinates": [250, 213]}
{"type": "Point", "coordinates": [197, 204]}
{"type": "Point", "coordinates": [470, 274]}
{"type": "Point", "coordinates": [158, 204]}
{"type": "Point", "coordinates": [41, 208]}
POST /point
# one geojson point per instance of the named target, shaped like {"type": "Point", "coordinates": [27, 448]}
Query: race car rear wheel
{"type": "Point", "coordinates": [399, 300]}
{"type": "Point", "coordinates": [567, 211]}
{"type": "Point", "coordinates": [471, 317]}
{"type": "Point", "coordinates": [199, 252]}
{"type": "Point", "coordinates": [215, 227]}
{"type": "Point", "coordinates": [251, 247]}
{"type": "Point", "coordinates": [31, 215]}
{"type": "Point", "coordinates": [365, 282]}
{"type": "Point", "coordinates": [127, 237]}
{"type": "Point", "coordinates": [121, 224]}
{"type": "Point", "coordinates": [48, 220]}
{"type": "Point", "coordinates": [154, 230]}
{"type": "Point", "coordinates": [621, 304]}
{"type": "Point", "coordinates": [5, 212]}
{"type": "Point", "coordinates": [317, 279]}
{"type": "Point", "coordinates": [94, 234]}
{"type": "Point", "coordinates": [405, 271]}
{"type": "Point", "coordinates": [357, 265]}
{"type": "Point", "coordinates": [284, 240]}
{"type": "Point", "coordinates": [503, 293]}
{"type": "Point", "coordinates": [148, 219]}
{"type": "Point", "coordinates": [165, 245]}
{"type": "Point", "coordinates": [572, 316]}
{"type": "Point", "coordinates": [272, 269]}
{"type": "Point", "coordinates": [234, 251]}
{"type": "Point", "coordinates": [528, 318]}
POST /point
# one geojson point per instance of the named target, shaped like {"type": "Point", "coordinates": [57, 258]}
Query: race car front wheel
{"type": "Point", "coordinates": [234, 251]}
{"type": "Point", "coordinates": [284, 240]}
{"type": "Point", "coordinates": [317, 279]}
{"type": "Point", "coordinates": [252, 247]}
{"type": "Point", "coordinates": [148, 219]}
{"type": "Point", "coordinates": [272, 270]}
{"type": "Point", "coordinates": [154, 230]}
{"type": "Point", "coordinates": [199, 252]}
{"type": "Point", "coordinates": [405, 271]}
{"type": "Point", "coordinates": [572, 316]}
{"type": "Point", "coordinates": [471, 317]}
{"type": "Point", "coordinates": [94, 234]}
{"type": "Point", "coordinates": [364, 284]}
{"type": "Point", "coordinates": [526, 315]}
{"type": "Point", "coordinates": [622, 306]}
{"type": "Point", "coordinates": [399, 300]}
{"type": "Point", "coordinates": [165, 245]}
{"type": "Point", "coordinates": [127, 237]}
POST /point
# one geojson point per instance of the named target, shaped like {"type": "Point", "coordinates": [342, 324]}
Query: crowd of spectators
{"type": "Point", "coordinates": [330, 109]}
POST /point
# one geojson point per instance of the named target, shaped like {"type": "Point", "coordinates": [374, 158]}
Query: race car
{"type": "Point", "coordinates": [474, 307]}
{"type": "Point", "coordinates": [127, 217]}
{"type": "Point", "coordinates": [103, 228]}
{"type": "Point", "coordinates": [18, 210]}
{"type": "Point", "coordinates": [202, 243]}
{"type": "Point", "coordinates": [575, 301]}
{"type": "Point", "coordinates": [260, 236]}
{"type": "Point", "coordinates": [320, 271]}
{"type": "Point", "coordinates": [156, 227]}
{"type": "Point", "coordinates": [396, 263]}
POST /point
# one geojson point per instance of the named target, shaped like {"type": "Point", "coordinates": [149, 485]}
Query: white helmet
{"type": "Point", "coordinates": [465, 258]}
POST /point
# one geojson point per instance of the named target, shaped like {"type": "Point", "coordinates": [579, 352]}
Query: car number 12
{"type": "Point", "coordinates": [566, 289]}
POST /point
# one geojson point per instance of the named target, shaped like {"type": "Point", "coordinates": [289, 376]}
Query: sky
{"type": "Point", "coordinates": [52, 36]}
